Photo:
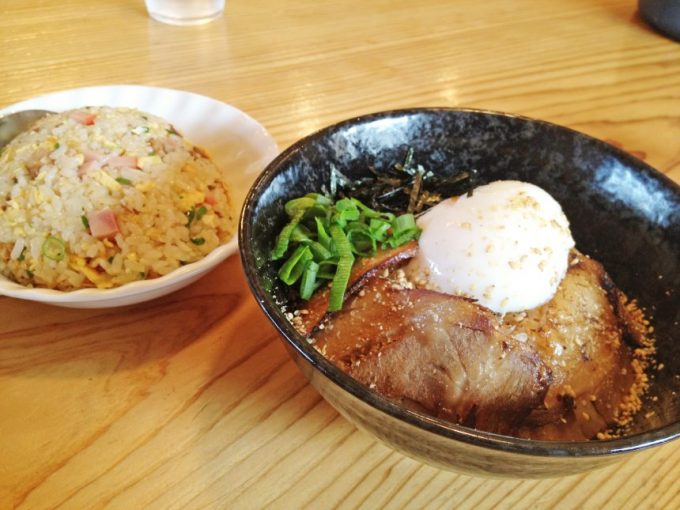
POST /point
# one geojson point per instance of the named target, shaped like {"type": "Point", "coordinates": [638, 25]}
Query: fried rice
{"type": "Point", "coordinates": [100, 196]}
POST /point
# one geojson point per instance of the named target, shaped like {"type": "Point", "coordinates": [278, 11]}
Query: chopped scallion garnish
{"type": "Point", "coordinates": [325, 236]}
{"type": "Point", "coordinates": [293, 268]}
{"type": "Point", "coordinates": [309, 284]}
{"type": "Point", "coordinates": [200, 212]}
{"type": "Point", "coordinates": [284, 237]}
{"type": "Point", "coordinates": [190, 214]}
{"type": "Point", "coordinates": [54, 248]}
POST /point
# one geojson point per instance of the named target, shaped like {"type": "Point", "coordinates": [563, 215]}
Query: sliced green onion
{"type": "Point", "coordinates": [326, 236]}
{"type": "Point", "coordinates": [394, 242]}
{"type": "Point", "coordinates": [361, 240]}
{"type": "Point", "coordinates": [308, 283]}
{"type": "Point", "coordinates": [319, 251]}
{"type": "Point", "coordinates": [198, 241]}
{"type": "Point", "coordinates": [54, 248]}
{"type": "Point", "coordinates": [123, 181]}
{"type": "Point", "coordinates": [293, 206]}
{"type": "Point", "coordinates": [86, 222]}
{"type": "Point", "coordinates": [200, 212]}
{"type": "Point", "coordinates": [327, 269]}
{"type": "Point", "coordinates": [339, 284]}
{"type": "Point", "coordinates": [320, 211]}
{"type": "Point", "coordinates": [190, 214]}
{"type": "Point", "coordinates": [300, 234]}
{"type": "Point", "coordinates": [314, 203]}
{"type": "Point", "coordinates": [323, 237]}
{"type": "Point", "coordinates": [404, 229]}
{"type": "Point", "coordinates": [22, 255]}
{"type": "Point", "coordinates": [293, 267]}
{"type": "Point", "coordinates": [284, 237]}
{"type": "Point", "coordinates": [346, 204]}
{"type": "Point", "coordinates": [365, 210]}
{"type": "Point", "coordinates": [342, 246]}
{"type": "Point", "coordinates": [379, 228]}
{"type": "Point", "coordinates": [320, 199]}
{"type": "Point", "coordinates": [346, 211]}
{"type": "Point", "coordinates": [403, 223]}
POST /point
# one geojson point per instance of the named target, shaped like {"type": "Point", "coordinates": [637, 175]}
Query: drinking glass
{"type": "Point", "coordinates": [184, 12]}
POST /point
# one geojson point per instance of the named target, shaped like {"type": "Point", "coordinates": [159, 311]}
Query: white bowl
{"type": "Point", "coordinates": [236, 142]}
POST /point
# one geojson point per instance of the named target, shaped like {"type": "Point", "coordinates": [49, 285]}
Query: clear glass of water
{"type": "Point", "coordinates": [184, 12]}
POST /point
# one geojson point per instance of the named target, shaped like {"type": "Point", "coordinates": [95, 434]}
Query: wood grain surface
{"type": "Point", "coordinates": [190, 401]}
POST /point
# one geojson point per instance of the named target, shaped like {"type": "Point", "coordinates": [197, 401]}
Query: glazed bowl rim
{"type": "Point", "coordinates": [439, 427]}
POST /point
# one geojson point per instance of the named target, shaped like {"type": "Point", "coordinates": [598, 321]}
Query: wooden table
{"type": "Point", "coordinates": [190, 401]}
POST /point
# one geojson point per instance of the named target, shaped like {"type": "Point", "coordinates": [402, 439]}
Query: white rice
{"type": "Point", "coordinates": [169, 199]}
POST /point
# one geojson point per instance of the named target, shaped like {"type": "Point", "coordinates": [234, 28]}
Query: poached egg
{"type": "Point", "coordinates": [506, 246]}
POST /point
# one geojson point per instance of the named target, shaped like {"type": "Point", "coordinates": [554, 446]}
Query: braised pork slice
{"type": "Point", "coordinates": [437, 353]}
{"type": "Point", "coordinates": [566, 370]}
{"type": "Point", "coordinates": [363, 269]}
{"type": "Point", "coordinates": [581, 336]}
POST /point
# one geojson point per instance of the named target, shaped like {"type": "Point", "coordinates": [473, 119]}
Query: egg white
{"type": "Point", "coordinates": [506, 246]}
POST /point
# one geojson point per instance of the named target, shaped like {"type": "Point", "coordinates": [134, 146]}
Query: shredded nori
{"type": "Point", "coordinates": [402, 187]}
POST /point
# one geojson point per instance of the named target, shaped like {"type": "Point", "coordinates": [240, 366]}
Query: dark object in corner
{"type": "Point", "coordinates": [662, 15]}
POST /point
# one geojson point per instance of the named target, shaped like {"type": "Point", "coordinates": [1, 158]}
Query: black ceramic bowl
{"type": "Point", "coordinates": [622, 212]}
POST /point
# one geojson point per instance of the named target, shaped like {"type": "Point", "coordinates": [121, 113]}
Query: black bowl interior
{"type": "Point", "coordinates": [622, 213]}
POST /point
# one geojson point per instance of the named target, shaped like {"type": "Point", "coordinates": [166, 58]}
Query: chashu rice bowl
{"type": "Point", "coordinates": [100, 197]}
